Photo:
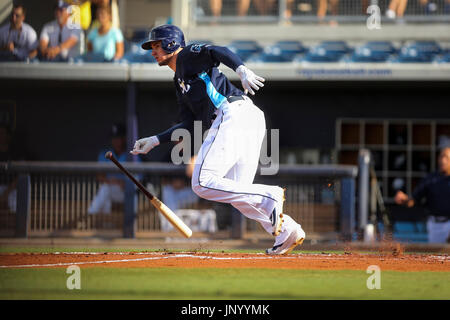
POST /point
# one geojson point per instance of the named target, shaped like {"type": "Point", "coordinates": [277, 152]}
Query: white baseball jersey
{"type": "Point", "coordinates": [56, 35]}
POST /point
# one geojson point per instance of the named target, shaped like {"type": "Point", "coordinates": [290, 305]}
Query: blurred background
{"type": "Point", "coordinates": [358, 89]}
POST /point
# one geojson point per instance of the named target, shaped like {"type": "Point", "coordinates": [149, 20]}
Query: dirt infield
{"type": "Point", "coordinates": [324, 261]}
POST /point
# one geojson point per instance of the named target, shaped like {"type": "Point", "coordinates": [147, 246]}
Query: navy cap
{"type": "Point", "coordinates": [60, 4]}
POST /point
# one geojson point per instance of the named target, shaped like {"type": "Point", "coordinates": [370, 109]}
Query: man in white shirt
{"type": "Point", "coordinates": [59, 38]}
{"type": "Point", "coordinates": [18, 40]}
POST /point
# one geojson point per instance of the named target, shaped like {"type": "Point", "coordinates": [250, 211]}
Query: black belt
{"type": "Point", "coordinates": [232, 99]}
{"type": "Point", "coordinates": [440, 219]}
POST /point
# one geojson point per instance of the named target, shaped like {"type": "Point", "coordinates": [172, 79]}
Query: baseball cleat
{"type": "Point", "coordinates": [277, 214]}
{"type": "Point", "coordinates": [295, 238]}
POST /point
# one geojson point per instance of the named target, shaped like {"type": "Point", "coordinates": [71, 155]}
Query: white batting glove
{"type": "Point", "coordinates": [249, 79]}
{"type": "Point", "coordinates": [144, 145]}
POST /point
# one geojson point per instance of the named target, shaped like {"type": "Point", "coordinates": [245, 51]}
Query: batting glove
{"type": "Point", "coordinates": [249, 79]}
{"type": "Point", "coordinates": [144, 145]}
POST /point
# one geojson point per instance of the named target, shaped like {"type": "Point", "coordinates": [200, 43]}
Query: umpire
{"type": "Point", "coordinates": [435, 189]}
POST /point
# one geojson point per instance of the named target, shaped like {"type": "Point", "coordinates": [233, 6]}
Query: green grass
{"type": "Point", "coordinates": [178, 283]}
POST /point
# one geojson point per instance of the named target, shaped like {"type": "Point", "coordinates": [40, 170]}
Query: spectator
{"type": "Point", "coordinates": [80, 13]}
{"type": "Point", "coordinates": [105, 42]}
{"type": "Point", "coordinates": [241, 7]}
{"type": "Point", "coordinates": [115, 20]}
{"type": "Point", "coordinates": [427, 7]}
{"type": "Point", "coordinates": [18, 40]}
{"type": "Point", "coordinates": [435, 189]}
{"type": "Point", "coordinates": [264, 7]}
{"type": "Point", "coordinates": [178, 195]}
{"type": "Point", "coordinates": [112, 186]}
{"type": "Point", "coordinates": [59, 38]}
{"type": "Point", "coordinates": [323, 6]}
{"type": "Point", "coordinates": [396, 9]}
{"type": "Point", "coordinates": [432, 7]}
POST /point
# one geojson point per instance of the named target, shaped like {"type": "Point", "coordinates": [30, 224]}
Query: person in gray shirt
{"type": "Point", "coordinates": [18, 40]}
{"type": "Point", "coordinates": [59, 38]}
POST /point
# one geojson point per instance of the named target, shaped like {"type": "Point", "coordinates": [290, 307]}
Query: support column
{"type": "Point", "coordinates": [23, 206]}
{"type": "Point", "coordinates": [130, 205]}
{"type": "Point", "coordinates": [347, 214]}
{"type": "Point", "coordinates": [363, 188]}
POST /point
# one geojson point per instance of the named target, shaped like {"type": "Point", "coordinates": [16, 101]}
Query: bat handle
{"type": "Point", "coordinates": [111, 157]}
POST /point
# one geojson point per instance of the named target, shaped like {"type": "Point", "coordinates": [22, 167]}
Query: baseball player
{"type": "Point", "coordinates": [435, 189]}
{"type": "Point", "coordinates": [227, 161]}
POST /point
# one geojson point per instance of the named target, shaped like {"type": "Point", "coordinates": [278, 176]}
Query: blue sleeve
{"type": "Point", "coordinates": [224, 55]}
{"type": "Point", "coordinates": [118, 36]}
{"type": "Point", "coordinates": [91, 35]}
{"type": "Point", "coordinates": [186, 118]}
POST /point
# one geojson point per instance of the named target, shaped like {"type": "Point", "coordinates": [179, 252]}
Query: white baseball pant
{"type": "Point", "coordinates": [438, 232]}
{"type": "Point", "coordinates": [228, 160]}
{"type": "Point", "coordinates": [106, 195]}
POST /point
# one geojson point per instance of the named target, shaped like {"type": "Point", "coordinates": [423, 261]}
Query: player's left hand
{"type": "Point", "coordinates": [249, 79]}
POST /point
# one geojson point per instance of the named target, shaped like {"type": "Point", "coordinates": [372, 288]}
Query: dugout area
{"type": "Point", "coordinates": [76, 116]}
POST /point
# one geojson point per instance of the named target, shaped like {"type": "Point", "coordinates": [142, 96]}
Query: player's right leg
{"type": "Point", "coordinates": [291, 237]}
{"type": "Point", "coordinates": [236, 130]}
{"type": "Point", "coordinates": [226, 166]}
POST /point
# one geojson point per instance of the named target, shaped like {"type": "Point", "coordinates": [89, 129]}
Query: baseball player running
{"type": "Point", "coordinates": [227, 161]}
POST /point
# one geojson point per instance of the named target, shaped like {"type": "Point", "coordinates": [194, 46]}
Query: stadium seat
{"type": "Point", "coordinates": [200, 41]}
{"type": "Point", "coordinates": [326, 51]}
{"type": "Point", "coordinates": [404, 227]}
{"type": "Point", "coordinates": [445, 58]}
{"type": "Point", "coordinates": [244, 48]}
{"type": "Point", "coordinates": [381, 46]}
{"type": "Point", "coordinates": [410, 231]}
{"type": "Point", "coordinates": [419, 52]}
{"type": "Point", "coordinates": [270, 57]}
{"type": "Point", "coordinates": [427, 47]}
{"type": "Point", "coordinates": [320, 54]}
{"type": "Point", "coordinates": [413, 55]}
{"type": "Point", "coordinates": [140, 35]}
{"type": "Point", "coordinates": [288, 49]}
{"type": "Point", "coordinates": [367, 54]}
{"type": "Point", "coordinates": [335, 47]}
{"type": "Point", "coordinates": [138, 55]}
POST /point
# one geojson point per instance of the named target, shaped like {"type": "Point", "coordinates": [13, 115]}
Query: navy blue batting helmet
{"type": "Point", "coordinates": [171, 38]}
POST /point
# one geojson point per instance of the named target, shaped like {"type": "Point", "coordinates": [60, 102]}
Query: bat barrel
{"type": "Point", "coordinates": [172, 217]}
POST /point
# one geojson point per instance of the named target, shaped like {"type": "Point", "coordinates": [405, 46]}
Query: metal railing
{"type": "Point", "coordinates": [53, 198]}
{"type": "Point", "coordinates": [313, 11]}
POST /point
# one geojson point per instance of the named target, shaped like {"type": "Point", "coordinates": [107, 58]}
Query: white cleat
{"type": "Point", "coordinates": [295, 238]}
{"type": "Point", "coordinates": [277, 213]}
